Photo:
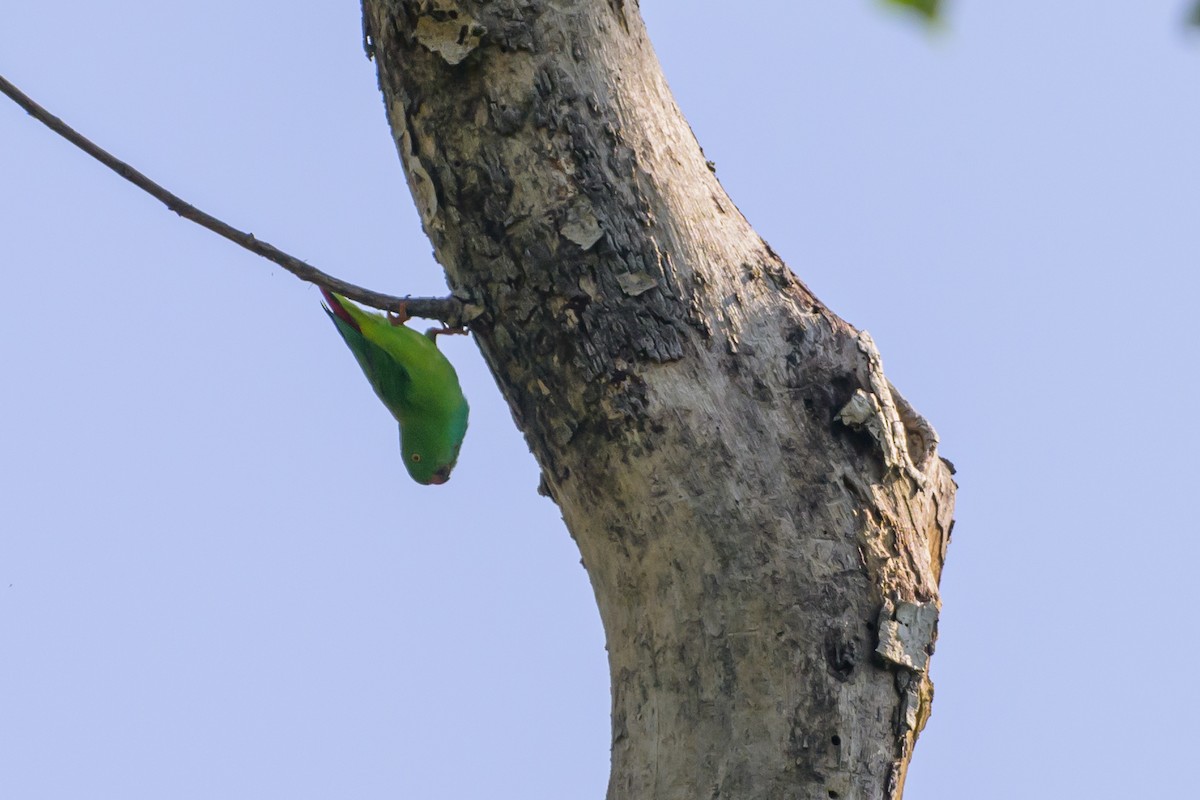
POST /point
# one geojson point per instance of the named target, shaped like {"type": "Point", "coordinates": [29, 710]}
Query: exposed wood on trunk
{"type": "Point", "coordinates": [763, 518]}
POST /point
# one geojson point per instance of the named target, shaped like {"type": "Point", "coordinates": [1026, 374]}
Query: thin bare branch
{"type": "Point", "coordinates": [447, 309]}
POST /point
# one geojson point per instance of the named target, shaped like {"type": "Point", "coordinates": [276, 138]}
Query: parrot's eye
{"type": "Point", "coordinates": [416, 457]}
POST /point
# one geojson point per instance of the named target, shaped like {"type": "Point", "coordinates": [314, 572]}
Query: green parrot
{"type": "Point", "coordinates": [414, 380]}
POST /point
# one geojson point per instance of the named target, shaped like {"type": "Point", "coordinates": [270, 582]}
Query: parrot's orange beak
{"type": "Point", "coordinates": [440, 477]}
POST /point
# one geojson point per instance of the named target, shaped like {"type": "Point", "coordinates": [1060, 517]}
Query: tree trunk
{"type": "Point", "coordinates": [763, 518]}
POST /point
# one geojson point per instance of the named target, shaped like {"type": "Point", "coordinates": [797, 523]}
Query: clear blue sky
{"type": "Point", "coordinates": [216, 579]}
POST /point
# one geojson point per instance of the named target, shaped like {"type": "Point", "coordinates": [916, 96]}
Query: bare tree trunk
{"type": "Point", "coordinates": [762, 516]}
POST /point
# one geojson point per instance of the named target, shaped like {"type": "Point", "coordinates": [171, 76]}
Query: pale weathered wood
{"type": "Point", "coordinates": [762, 516]}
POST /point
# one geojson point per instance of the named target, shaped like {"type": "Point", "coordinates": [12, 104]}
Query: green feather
{"type": "Point", "coordinates": [414, 380]}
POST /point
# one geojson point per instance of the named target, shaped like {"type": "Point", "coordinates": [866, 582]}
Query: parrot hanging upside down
{"type": "Point", "coordinates": [413, 379]}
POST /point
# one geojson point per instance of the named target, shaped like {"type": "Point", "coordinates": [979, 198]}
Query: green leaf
{"type": "Point", "coordinates": [930, 8]}
{"type": "Point", "coordinates": [1194, 17]}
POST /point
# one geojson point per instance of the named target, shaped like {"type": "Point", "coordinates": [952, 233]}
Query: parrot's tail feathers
{"type": "Point", "coordinates": [338, 309]}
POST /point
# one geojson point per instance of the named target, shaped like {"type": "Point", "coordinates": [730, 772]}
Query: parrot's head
{"type": "Point", "coordinates": [430, 455]}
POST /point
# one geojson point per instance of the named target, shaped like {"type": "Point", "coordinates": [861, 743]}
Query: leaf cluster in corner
{"type": "Point", "coordinates": [929, 9]}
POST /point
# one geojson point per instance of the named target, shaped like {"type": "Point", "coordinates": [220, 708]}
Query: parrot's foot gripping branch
{"type": "Point", "coordinates": [400, 315]}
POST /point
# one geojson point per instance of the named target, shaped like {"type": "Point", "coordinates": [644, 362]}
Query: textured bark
{"type": "Point", "coordinates": [763, 518]}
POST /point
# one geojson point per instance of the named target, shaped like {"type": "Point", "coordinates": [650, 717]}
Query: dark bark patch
{"type": "Point", "coordinates": [842, 653]}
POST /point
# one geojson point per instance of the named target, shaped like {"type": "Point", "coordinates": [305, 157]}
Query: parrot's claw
{"type": "Point", "coordinates": [400, 316]}
{"type": "Point", "coordinates": [433, 333]}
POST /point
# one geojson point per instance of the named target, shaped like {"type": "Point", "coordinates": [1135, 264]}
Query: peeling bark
{"type": "Point", "coordinates": [762, 516]}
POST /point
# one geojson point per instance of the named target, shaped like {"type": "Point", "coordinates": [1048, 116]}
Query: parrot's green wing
{"type": "Point", "coordinates": [388, 377]}
{"type": "Point", "coordinates": [416, 383]}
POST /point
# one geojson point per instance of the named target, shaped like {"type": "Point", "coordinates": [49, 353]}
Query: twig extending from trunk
{"type": "Point", "coordinates": [447, 309]}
